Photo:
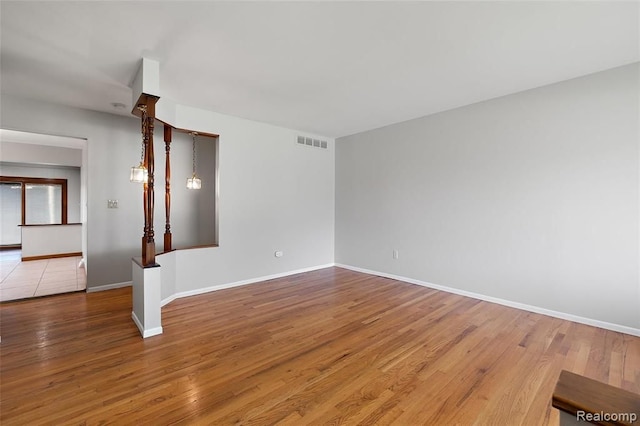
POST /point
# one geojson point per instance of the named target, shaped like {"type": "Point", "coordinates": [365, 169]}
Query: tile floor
{"type": "Point", "coordinates": [20, 280]}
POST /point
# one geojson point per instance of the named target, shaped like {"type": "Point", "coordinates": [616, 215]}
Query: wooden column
{"type": "Point", "coordinates": [145, 190]}
{"type": "Point", "coordinates": [146, 110]}
{"type": "Point", "coordinates": [167, 188]}
{"type": "Point", "coordinates": [150, 258]}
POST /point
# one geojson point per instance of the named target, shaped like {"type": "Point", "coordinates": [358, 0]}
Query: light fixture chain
{"type": "Point", "coordinates": [139, 173]}
{"type": "Point", "coordinates": [143, 109]}
{"type": "Point", "coordinates": [194, 153]}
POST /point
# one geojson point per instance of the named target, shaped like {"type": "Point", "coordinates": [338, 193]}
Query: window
{"type": "Point", "coordinates": [11, 213]}
{"type": "Point", "coordinates": [39, 201]}
{"type": "Point", "coordinates": [43, 203]}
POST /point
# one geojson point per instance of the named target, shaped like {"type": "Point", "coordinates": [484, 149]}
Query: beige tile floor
{"type": "Point", "coordinates": [20, 280]}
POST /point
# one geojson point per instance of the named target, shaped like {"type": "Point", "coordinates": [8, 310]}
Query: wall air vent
{"type": "Point", "coordinates": [311, 142]}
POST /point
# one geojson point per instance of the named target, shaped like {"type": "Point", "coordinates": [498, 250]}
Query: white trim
{"type": "Point", "coordinates": [137, 322]}
{"type": "Point", "coordinates": [109, 286]}
{"type": "Point", "coordinates": [145, 333]}
{"type": "Point", "coordinates": [522, 306]}
{"type": "Point", "coordinates": [240, 283]}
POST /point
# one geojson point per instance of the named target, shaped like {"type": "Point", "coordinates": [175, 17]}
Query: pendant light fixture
{"type": "Point", "coordinates": [194, 181]}
{"type": "Point", "coordinates": [139, 173]}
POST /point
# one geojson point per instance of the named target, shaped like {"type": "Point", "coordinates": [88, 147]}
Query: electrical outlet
{"type": "Point", "coordinates": [396, 254]}
{"type": "Point", "coordinates": [278, 253]}
{"type": "Point", "coordinates": [112, 204]}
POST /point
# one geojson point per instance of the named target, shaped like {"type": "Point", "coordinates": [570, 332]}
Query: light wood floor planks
{"type": "Point", "coordinates": [326, 347]}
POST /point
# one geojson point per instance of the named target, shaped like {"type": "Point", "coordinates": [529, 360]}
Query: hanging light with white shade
{"type": "Point", "coordinates": [139, 173]}
{"type": "Point", "coordinates": [194, 181]}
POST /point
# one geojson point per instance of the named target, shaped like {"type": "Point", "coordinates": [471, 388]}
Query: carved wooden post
{"type": "Point", "coordinates": [146, 110]}
{"type": "Point", "coordinates": [167, 188]}
{"type": "Point", "coordinates": [149, 258]}
{"type": "Point", "coordinates": [145, 186]}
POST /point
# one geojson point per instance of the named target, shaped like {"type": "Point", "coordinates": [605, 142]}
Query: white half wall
{"type": "Point", "coordinates": [146, 313]}
{"type": "Point", "coordinates": [531, 198]}
{"type": "Point", "coordinates": [46, 240]}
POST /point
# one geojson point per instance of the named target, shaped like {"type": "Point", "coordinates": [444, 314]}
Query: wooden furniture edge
{"type": "Point", "coordinates": [52, 256]}
{"type": "Point", "coordinates": [138, 261]}
{"type": "Point", "coordinates": [575, 393]}
{"type": "Point", "coordinates": [51, 224]}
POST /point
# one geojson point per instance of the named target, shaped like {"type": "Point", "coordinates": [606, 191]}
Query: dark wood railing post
{"type": "Point", "coordinates": [145, 185]}
{"type": "Point", "coordinates": [167, 188]}
{"type": "Point", "coordinates": [146, 110]}
{"type": "Point", "coordinates": [150, 257]}
{"type": "Point", "coordinates": [146, 105]}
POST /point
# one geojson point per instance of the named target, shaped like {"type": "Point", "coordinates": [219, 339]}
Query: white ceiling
{"type": "Point", "coordinates": [331, 68]}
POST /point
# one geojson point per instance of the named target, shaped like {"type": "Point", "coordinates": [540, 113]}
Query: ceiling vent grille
{"type": "Point", "coordinates": [311, 142]}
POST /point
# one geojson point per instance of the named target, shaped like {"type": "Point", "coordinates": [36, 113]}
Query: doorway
{"type": "Point", "coordinates": [40, 268]}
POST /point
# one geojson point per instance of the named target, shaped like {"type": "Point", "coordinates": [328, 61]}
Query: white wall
{"type": "Point", "coordinates": [206, 169]}
{"type": "Point", "coordinates": [531, 197]}
{"type": "Point", "coordinates": [274, 195]}
{"type": "Point", "coordinates": [15, 152]}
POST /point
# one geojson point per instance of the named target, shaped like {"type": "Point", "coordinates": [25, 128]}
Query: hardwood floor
{"type": "Point", "coordinates": [326, 347]}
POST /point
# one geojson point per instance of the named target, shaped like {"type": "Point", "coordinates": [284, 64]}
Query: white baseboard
{"type": "Point", "coordinates": [109, 286]}
{"type": "Point", "coordinates": [522, 306]}
{"type": "Point", "coordinates": [143, 332]}
{"type": "Point", "coordinates": [240, 283]}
